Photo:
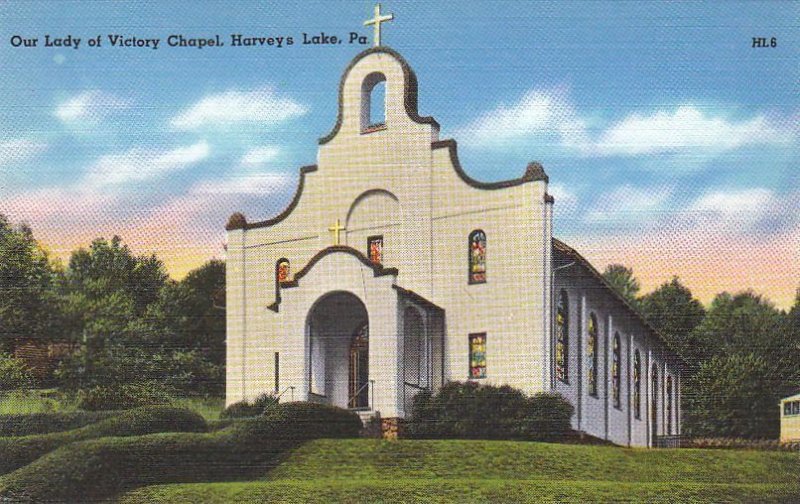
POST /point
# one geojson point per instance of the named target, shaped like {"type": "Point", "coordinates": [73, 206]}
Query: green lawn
{"type": "Point", "coordinates": [52, 401]}
{"type": "Point", "coordinates": [497, 471]}
{"type": "Point", "coordinates": [35, 401]}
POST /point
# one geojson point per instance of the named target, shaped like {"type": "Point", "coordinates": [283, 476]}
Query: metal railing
{"type": "Point", "coordinates": [278, 398]}
{"type": "Point", "coordinates": [351, 400]}
{"type": "Point", "coordinates": [672, 441]}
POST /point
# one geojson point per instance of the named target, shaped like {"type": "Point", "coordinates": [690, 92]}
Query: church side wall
{"type": "Point", "coordinates": [509, 306]}
{"type": "Point", "coordinates": [597, 415]}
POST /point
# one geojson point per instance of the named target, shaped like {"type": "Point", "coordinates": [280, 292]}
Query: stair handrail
{"type": "Point", "coordinates": [277, 399]}
{"type": "Point", "coordinates": [362, 387]}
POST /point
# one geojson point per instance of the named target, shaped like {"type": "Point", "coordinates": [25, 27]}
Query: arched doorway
{"type": "Point", "coordinates": [358, 392]}
{"type": "Point", "coordinates": [338, 351]}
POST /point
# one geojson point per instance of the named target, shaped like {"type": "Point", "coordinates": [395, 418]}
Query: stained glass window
{"type": "Point", "coordinates": [591, 354]}
{"type": "Point", "coordinates": [562, 337]}
{"type": "Point", "coordinates": [477, 257]}
{"type": "Point", "coordinates": [282, 270]}
{"type": "Point", "coordinates": [654, 399]}
{"type": "Point", "coordinates": [375, 249]}
{"type": "Point", "coordinates": [477, 355]}
{"type": "Point", "coordinates": [637, 385]}
{"type": "Point", "coordinates": [669, 405]}
{"type": "Point", "coordinates": [616, 371]}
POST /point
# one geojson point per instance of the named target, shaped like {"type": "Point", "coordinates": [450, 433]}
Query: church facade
{"type": "Point", "coordinates": [392, 271]}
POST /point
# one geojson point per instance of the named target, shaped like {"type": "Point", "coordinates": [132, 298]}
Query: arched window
{"type": "Point", "coordinates": [591, 354]}
{"type": "Point", "coordinates": [669, 405]}
{"type": "Point", "coordinates": [616, 371]}
{"type": "Point", "coordinates": [373, 102]}
{"type": "Point", "coordinates": [282, 270]}
{"type": "Point", "coordinates": [637, 385]}
{"type": "Point", "coordinates": [654, 400]}
{"type": "Point", "coordinates": [562, 337]}
{"type": "Point", "coordinates": [477, 256]}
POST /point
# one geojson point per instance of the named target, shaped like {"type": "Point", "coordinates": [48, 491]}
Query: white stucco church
{"type": "Point", "coordinates": [393, 271]}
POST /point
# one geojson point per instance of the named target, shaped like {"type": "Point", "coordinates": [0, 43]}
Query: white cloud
{"type": "Point", "coordinates": [137, 165]}
{"type": "Point", "coordinates": [249, 185]}
{"type": "Point", "coordinates": [262, 106]}
{"type": "Point", "coordinates": [260, 155]}
{"type": "Point", "coordinates": [687, 128]}
{"type": "Point", "coordinates": [14, 151]}
{"type": "Point", "coordinates": [744, 206]}
{"type": "Point", "coordinates": [683, 129]}
{"type": "Point", "coordinates": [89, 106]}
{"type": "Point", "coordinates": [539, 112]}
{"type": "Point", "coordinates": [562, 194]}
{"type": "Point", "coordinates": [630, 204]}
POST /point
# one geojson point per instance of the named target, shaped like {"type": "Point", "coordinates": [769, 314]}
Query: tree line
{"type": "Point", "coordinates": [742, 354]}
{"type": "Point", "coordinates": [122, 319]}
{"type": "Point", "coordinates": [125, 321]}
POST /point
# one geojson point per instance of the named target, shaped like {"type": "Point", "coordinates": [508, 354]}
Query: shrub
{"type": "Point", "coordinates": [124, 396]}
{"type": "Point", "coordinates": [472, 411]}
{"type": "Point", "coordinates": [14, 373]}
{"type": "Point", "coordinates": [19, 451]}
{"type": "Point", "coordinates": [43, 423]}
{"type": "Point", "coordinates": [740, 444]}
{"type": "Point", "coordinates": [244, 409]}
{"type": "Point", "coordinates": [301, 421]}
{"type": "Point", "coordinates": [97, 469]}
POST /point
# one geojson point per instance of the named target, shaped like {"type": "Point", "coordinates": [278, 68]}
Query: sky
{"type": "Point", "coordinates": [672, 144]}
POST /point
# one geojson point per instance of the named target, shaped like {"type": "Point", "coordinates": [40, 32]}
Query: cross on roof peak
{"type": "Point", "coordinates": [377, 20]}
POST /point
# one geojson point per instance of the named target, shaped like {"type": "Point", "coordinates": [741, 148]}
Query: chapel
{"type": "Point", "coordinates": [393, 271]}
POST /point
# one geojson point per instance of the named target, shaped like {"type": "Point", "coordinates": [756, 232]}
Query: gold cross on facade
{"type": "Point", "coordinates": [336, 229]}
{"type": "Point", "coordinates": [377, 22]}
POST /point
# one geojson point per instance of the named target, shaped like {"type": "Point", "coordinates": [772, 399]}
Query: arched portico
{"type": "Point", "coordinates": [345, 330]}
{"type": "Point", "coordinates": [337, 330]}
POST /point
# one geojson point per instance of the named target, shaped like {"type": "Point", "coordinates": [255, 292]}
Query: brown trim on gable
{"type": "Point", "coordinates": [241, 223]}
{"type": "Point", "coordinates": [534, 171]}
{"type": "Point", "coordinates": [410, 91]}
{"type": "Point", "coordinates": [377, 269]}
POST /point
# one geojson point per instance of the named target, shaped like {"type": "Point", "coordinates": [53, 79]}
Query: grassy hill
{"type": "Point", "coordinates": [498, 471]}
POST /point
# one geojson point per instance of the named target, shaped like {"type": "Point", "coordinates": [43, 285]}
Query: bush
{"type": "Point", "coordinates": [301, 421]}
{"type": "Point", "coordinates": [98, 469]}
{"type": "Point", "coordinates": [44, 423]}
{"type": "Point", "coordinates": [244, 409]}
{"type": "Point", "coordinates": [124, 396]}
{"type": "Point", "coordinates": [472, 411]}
{"type": "Point", "coordinates": [19, 451]}
{"type": "Point", "coordinates": [740, 444]}
{"type": "Point", "coordinates": [14, 373]}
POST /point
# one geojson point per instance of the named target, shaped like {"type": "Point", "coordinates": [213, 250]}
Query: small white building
{"type": "Point", "coordinates": [393, 271]}
{"type": "Point", "coordinates": [790, 419]}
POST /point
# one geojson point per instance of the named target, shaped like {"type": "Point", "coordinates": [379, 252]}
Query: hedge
{"type": "Point", "coordinates": [471, 411]}
{"type": "Point", "coordinates": [44, 423]}
{"type": "Point", "coordinates": [98, 469]}
{"type": "Point", "coordinates": [20, 451]}
{"type": "Point", "coordinates": [244, 409]}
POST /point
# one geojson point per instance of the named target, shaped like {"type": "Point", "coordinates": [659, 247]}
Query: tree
{"type": "Point", "coordinates": [188, 315]}
{"type": "Point", "coordinates": [674, 313]}
{"type": "Point", "coordinates": [108, 267]}
{"type": "Point", "coordinates": [25, 277]}
{"type": "Point", "coordinates": [622, 280]}
{"type": "Point", "coordinates": [733, 396]}
{"type": "Point", "coordinates": [743, 323]}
